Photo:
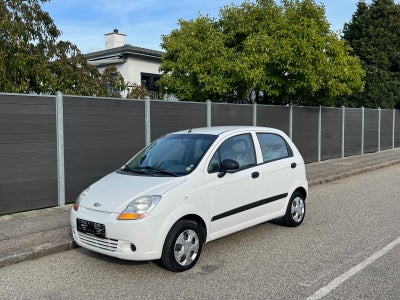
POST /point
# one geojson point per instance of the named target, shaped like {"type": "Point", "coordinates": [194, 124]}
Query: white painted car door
{"type": "Point", "coordinates": [231, 196]}
{"type": "Point", "coordinates": [277, 172]}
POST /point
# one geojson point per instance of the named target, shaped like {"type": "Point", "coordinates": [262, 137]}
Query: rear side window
{"type": "Point", "coordinates": [273, 147]}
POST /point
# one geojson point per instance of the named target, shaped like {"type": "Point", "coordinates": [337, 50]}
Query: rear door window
{"type": "Point", "coordinates": [273, 147]}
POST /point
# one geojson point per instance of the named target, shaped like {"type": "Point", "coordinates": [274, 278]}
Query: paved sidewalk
{"type": "Point", "coordinates": [33, 234]}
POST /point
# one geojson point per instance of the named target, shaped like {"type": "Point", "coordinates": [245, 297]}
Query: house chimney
{"type": "Point", "coordinates": [115, 39]}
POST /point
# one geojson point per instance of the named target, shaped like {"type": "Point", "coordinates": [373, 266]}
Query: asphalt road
{"type": "Point", "coordinates": [347, 248]}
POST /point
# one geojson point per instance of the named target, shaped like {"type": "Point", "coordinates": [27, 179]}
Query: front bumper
{"type": "Point", "coordinates": [144, 234]}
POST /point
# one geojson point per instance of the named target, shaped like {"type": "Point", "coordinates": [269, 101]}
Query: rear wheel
{"type": "Point", "coordinates": [182, 246]}
{"type": "Point", "coordinates": [296, 210]}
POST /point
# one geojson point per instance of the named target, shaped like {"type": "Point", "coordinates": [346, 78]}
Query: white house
{"type": "Point", "coordinates": [137, 65]}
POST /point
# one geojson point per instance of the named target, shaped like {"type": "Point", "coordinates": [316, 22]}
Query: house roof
{"type": "Point", "coordinates": [119, 55]}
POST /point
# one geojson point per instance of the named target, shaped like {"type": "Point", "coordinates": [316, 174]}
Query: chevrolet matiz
{"type": "Point", "coordinates": [188, 188]}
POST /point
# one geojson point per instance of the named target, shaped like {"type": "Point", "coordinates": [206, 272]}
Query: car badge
{"type": "Point", "coordinates": [97, 204]}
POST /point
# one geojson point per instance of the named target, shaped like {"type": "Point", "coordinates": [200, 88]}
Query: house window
{"type": "Point", "coordinates": [150, 81]}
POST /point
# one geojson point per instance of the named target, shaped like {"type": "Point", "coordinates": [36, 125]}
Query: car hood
{"type": "Point", "coordinates": [115, 191]}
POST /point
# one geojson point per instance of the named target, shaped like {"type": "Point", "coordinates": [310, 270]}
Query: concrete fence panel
{"type": "Point", "coordinates": [173, 116]}
{"type": "Point", "coordinates": [371, 130]}
{"type": "Point", "coordinates": [274, 116]}
{"type": "Point", "coordinates": [352, 131]}
{"type": "Point", "coordinates": [386, 129]}
{"type": "Point", "coordinates": [397, 129]}
{"type": "Point", "coordinates": [100, 136]}
{"type": "Point", "coordinates": [28, 153]}
{"type": "Point", "coordinates": [331, 133]}
{"type": "Point", "coordinates": [231, 114]}
{"type": "Point", "coordinates": [305, 132]}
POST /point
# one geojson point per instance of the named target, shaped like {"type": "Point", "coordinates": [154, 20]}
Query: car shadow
{"type": "Point", "coordinates": [278, 222]}
{"type": "Point", "coordinates": [110, 259]}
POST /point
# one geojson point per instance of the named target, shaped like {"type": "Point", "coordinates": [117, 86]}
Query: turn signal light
{"type": "Point", "coordinates": [130, 216]}
{"type": "Point", "coordinates": [76, 206]}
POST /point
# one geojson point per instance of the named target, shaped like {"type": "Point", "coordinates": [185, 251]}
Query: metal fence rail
{"type": "Point", "coordinates": [52, 147]}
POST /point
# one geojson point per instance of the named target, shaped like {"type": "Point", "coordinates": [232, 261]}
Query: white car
{"type": "Point", "coordinates": [188, 188]}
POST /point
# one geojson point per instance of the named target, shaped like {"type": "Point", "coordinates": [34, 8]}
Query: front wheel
{"type": "Point", "coordinates": [296, 210]}
{"type": "Point", "coordinates": [182, 246]}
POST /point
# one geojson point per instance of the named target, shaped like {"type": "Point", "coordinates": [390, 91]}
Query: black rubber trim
{"type": "Point", "coordinates": [248, 206]}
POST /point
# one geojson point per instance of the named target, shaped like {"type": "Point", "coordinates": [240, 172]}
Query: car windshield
{"type": "Point", "coordinates": [171, 155]}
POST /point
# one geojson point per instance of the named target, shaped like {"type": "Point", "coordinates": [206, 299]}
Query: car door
{"type": "Point", "coordinates": [232, 195]}
{"type": "Point", "coordinates": [277, 171]}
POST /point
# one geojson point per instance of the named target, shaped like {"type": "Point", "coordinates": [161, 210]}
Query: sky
{"type": "Point", "coordinates": [84, 22]}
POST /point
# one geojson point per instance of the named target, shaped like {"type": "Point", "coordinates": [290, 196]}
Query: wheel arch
{"type": "Point", "coordinates": [302, 191]}
{"type": "Point", "coordinates": [198, 220]}
{"type": "Point", "coordinates": [294, 215]}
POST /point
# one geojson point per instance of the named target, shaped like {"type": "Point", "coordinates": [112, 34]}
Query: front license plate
{"type": "Point", "coordinates": [89, 227]}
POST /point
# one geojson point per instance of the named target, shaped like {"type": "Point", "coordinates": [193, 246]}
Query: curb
{"type": "Point", "coordinates": [352, 173]}
{"type": "Point", "coordinates": [38, 251]}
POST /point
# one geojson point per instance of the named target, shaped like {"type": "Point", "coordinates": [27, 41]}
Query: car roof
{"type": "Point", "coordinates": [218, 130]}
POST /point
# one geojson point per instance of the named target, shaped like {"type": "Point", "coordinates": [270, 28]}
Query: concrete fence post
{"type": "Point", "coordinates": [379, 128]}
{"type": "Point", "coordinates": [362, 128]}
{"type": "Point", "coordinates": [319, 132]}
{"type": "Point", "coordinates": [208, 113]}
{"type": "Point", "coordinates": [254, 114]}
{"type": "Point", "coordinates": [343, 126]}
{"type": "Point", "coordinates": [60, 149]}
{"type": "Point", "coordinates": [291, 122]}
{"type": "Point", "coordinates": [147, 121]}
{"type": "Point", "coordinates": [394, 127]}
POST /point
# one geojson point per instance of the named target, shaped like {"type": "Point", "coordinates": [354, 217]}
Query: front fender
{"type": "Point", "coordinates": [178, 213]}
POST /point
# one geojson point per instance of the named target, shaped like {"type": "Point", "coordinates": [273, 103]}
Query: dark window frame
{"type": "Point", "coordinates": [153, 79]}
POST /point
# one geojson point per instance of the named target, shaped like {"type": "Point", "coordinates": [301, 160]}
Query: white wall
{"type": "Point", "coordinates": [133, 67]}
{"type": "Point", "coordinates": [131, 70]}
{"type": "Point", "coordinates": [136, 66]}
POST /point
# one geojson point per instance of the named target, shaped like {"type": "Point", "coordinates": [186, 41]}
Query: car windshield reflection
{"type": "Point", "coordinates": [171, 155]}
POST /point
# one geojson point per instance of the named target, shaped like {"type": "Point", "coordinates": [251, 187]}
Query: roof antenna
{"type": "Point", "coordinates": [190, 130]}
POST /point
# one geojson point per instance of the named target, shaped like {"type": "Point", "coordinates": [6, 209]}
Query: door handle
{"type": "Point", "coordinates": [293, 165]}
{"type": "Point", "coordinates": [255, 175]}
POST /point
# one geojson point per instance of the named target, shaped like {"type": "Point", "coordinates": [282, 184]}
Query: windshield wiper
{"type": "Point", "coordinates": [126, 168]}
{"type": "Point", "coordinates": [155, 170]}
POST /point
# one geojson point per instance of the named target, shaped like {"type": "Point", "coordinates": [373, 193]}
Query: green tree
{"type": "Point", "coordinates": [196, 64]}
{"type": "Point", "coordinates": [260, 51]}
{"type": "Point", "coordinates": [33, 59]}
{"type": "Point", "coordinates": [374, 35]}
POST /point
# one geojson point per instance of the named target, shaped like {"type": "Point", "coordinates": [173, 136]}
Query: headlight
{"type": "Point", "coordinates": [139, 208]}
{"type": "Point", "coordinates": [80, 197]}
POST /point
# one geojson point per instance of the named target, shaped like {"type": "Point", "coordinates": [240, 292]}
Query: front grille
{"type": "Point", "coordinates": [104, 244]}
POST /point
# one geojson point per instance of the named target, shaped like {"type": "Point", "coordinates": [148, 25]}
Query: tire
{"type": "Point", "coordinates": [182, 247]}
{"type": "Point", "coordinates": [295, 211]}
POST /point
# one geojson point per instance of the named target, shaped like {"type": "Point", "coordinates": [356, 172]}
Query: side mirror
{"type": "Point", "coordinates": [228, 165]}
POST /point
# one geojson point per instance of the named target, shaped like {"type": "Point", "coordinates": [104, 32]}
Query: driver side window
{"type": "Point", "coordinates": [239, 148]}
